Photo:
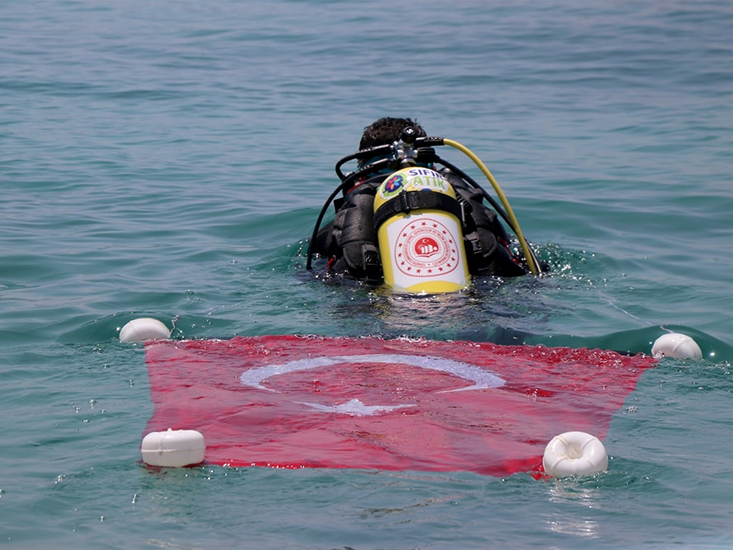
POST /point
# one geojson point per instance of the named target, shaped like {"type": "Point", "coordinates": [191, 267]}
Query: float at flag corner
{"type": "Point", "coordinates": [372, 403]}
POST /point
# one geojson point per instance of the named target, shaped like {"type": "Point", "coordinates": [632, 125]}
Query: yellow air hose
{"type": "Point", "coordinates": [515, 224]}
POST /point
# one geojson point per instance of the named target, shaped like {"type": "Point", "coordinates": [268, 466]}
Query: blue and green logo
{"type": "Point", "coordinates": [392, 186]}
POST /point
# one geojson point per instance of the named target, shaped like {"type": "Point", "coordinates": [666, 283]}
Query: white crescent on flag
{"type": "Point", "coordinates": [481, 378]}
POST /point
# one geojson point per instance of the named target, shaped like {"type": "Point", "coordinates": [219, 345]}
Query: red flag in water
{"type": "Point", "coordinates": [404, 404]}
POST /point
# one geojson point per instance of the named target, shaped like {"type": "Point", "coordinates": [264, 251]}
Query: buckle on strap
{"type": "Point", "coordinates": [406, 201]}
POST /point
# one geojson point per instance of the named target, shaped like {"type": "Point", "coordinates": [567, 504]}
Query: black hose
{"type": "Point", "coordinates": [381, 150]}
{"type": "Point", "coordinates": [360, 155]}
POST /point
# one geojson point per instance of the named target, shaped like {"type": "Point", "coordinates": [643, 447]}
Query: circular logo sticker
{"type": "Point", "coordinates": [426, 248]}
{"type": "Point", "coordinates": [392, 186]}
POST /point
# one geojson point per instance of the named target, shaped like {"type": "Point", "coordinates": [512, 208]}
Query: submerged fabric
{"type": "Point", "coordinates": [404, 404]}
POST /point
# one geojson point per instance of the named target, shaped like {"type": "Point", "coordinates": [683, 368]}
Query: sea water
{"type": "Point", "coordinates": [169, 159]}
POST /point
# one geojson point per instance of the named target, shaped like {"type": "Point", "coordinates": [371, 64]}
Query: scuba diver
{"type": "Point", "coordinates": [414, 221]}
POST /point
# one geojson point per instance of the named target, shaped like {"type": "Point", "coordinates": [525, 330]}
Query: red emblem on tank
{"type": "Point", "coordinates": [426, 247]}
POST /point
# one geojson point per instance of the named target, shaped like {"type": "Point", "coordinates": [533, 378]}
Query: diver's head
{"type": "Point", "coordinates": [387, 130]}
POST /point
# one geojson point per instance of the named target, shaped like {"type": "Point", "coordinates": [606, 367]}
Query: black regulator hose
{"type": "Point", "coordinates": [372, 152]}
{"type": "Point", "coordinates": [382, 150]}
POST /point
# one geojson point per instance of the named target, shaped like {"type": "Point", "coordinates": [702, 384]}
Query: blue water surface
{"type": "Point", "coordinates": [169, 158]}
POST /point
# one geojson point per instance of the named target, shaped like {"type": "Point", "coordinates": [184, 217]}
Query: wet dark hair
{"type": "Point", "coordinates": [387, 130]}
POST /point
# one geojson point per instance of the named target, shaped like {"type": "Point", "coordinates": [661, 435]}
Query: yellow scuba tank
{"type": "Point", "coordinates": [418, 224]}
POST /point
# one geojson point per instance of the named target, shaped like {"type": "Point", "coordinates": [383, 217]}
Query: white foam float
{"type": "Point", "coordinates": [173, 448]}
{"type": "Point", "coordinates": [677, 346]}
{"type": "Point", "coordinates": [574, 454]}
{"type": "Point", "coordinates": [144, 328]}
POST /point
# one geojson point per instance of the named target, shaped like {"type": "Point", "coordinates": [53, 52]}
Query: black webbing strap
{"type": "Point", "coordinates": [425, 199]}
